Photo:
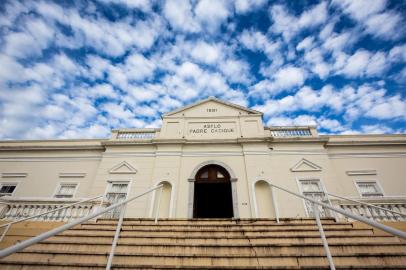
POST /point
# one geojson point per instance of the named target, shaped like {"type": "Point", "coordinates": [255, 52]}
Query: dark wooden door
{"type": "Point", "coordinates": [212, 194]}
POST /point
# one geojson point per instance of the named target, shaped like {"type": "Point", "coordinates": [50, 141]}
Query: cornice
{"type": "Point", "coordinates": [366, 143]}
{"type": "Point", "coordinates": [299, 140]}
{"type": "Point", "coordinates": [53, 148]}
{"type": "Point", "coordinates": [185, 141]}
{"type": "Point", "coordinates": [365, 139]}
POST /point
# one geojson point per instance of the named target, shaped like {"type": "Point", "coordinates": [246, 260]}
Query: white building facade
{"type": "Point", "coordinates": [214, 159]}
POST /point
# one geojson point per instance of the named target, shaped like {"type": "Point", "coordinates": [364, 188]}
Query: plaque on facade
{"type": "Point", "coordinates": [211, 129]}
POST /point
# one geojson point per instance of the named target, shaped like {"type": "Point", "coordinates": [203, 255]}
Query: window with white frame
{"type": "Point", "coordinates": [313, 189]}
{"type": "Point", "coordinates": [7, 189]}
{"type": "Point", "coordinates": [116, 192]}
{"type": "Point", "coordinates": [369, 189]}
{"type": "Point", "coordinates": [66, 190]}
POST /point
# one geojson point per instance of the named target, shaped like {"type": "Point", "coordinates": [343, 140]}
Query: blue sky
{"type": "Point", "coordinates": [77, 69]}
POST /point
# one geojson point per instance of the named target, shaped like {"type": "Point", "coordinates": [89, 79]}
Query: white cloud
{"type": "Point", "coordinates": [180, 16]}
{"type": "Point", "coordinates": [315, 59]}
{"type": "Point", "coordinates": [21, 45]}
{"type": "Point", "coordinates": [385, 25]}
{"type": "Point", "coordinates": [97, 66]}
{"type": "Point", "coordinates": [376, 129]}
{"type": "Point", "coordinates": [144, 5]}
{"type": "Point", "coordinates": [206, 53]}
{"type": "Point", "coordinates": [14, 72]}
{"type": "Point", "coordinates": [305, 44]}
{"type": "Point", "coordinates": [236, 71]}
{"type": "Point", "coordinates": [288, 77]}
{"type": "Point", "coordinates": [245, 6]}
{"type": "Point", "coordinates": [361, 9]}
{"type": "Point", "coordinates": [366, 100]}
{"type": "Point", "coordinates": [332, 125]}
{"type": "Point", "coordinates": [300, 120]}
{"type": "Point", "coordinates": [398, 53]}
{"type": "Point", "coordinates": [212, 13]}
{"type": "Point", "coordinates": [288, 25]}
{"type": "Point", "coordinates": [363, 63]}
{"type": "Point", "coordinates": [111, 38]}
{"type": "Point", "coordinates": [372, 14]}
{"type": "Point", "coordinates": [356, 63]}
{"type": "Point", "coordinates": [138, 67]}
{"type": "Point", "coordinates": [102, 91]}
{"type": "Point", "coordinates": [336, 42]}
{"type": "Point", "coordinates": [256, 41]}
{"type": "Point", "coordinates": [314, 16]}
{"type": "Point", "coordinates": [284, 79]}
{"type": "Point", "coordinates": [392, 107]}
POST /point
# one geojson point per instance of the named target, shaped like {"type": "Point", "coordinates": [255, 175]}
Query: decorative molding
{"type": "Point", "coordinates": [361, 172]}
{"type": "Point", "coordinates": [311, 167]}
{"type": "Point", "coordinates": [72, 175]}
{"type": "Point", "coordinates": [117, 169]}
{"type": "Point", "coordinates": [13, 175]}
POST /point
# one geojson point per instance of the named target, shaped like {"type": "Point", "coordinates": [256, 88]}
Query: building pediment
{"type": "Point", "coordinates": [305, 166]}
{"type": "Point", "coordinates": [123, 168]}
{"type": "Point", "coordinates": [212, 107]}
{"type": "Point", "coordinates": [212, 119]}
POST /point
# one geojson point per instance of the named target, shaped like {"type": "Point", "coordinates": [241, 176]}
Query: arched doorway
{"type": "Point", "coordinates": [212, 193]}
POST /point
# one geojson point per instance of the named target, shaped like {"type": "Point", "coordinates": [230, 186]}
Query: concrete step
{"type": "Point", "coordinates": [210, 244]}
{"type": "Point", "coordinates": [215, 222]}
{"type": "Point", "coordinates": [280, 239]}
{"type": "Point", "coordinates": [174, 260]}
{"type": "Point", "coordinates": [275, 227]}
{"type": "Point", "coordinates": [219, 232]}
{"type": "Point", "coordinates": [223, 250]}
{"type": "Point", "coordinates": [55, 266]}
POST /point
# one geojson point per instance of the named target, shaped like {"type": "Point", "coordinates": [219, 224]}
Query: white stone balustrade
{"type": "Point", "coordinates": [18, 209]}
{"type": "Point", "coordinates": [398, 205]}
{"type": "Point", "coordinates": [291, 132]}
{"type": "Point", "coordinates": [135, 135]}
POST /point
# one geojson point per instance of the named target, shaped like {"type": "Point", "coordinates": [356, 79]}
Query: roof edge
{"type": "Point", "coordinates": [211, 98]}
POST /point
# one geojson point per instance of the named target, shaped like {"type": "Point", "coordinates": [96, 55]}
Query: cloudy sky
{"type": "Point", "coordinates": [77, 69]}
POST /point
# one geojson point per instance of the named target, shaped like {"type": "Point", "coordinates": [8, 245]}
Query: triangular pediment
{"type": "Point", "coordinates": [212, 107]}
{"type": "Point", "coordinates": [123, 168]}
{"type": "Point", "coordinates": [305, 166]}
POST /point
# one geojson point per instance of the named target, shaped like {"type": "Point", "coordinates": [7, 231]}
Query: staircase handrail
{"type": "Point", "coordinates": [367, 204]}
{"type": "Point", "coordinates": [8, 225]}
{"type": "Point", "coordinates": [34, 240]}
{"type": "Point", "coordinates": [362, 219]}
{"type": "Point", "coordinates": [315, 205]}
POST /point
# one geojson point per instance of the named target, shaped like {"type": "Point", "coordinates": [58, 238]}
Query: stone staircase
{"type": "Point", "coordinates": [212, 244]}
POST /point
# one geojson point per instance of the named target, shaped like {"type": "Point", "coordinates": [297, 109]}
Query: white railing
{"type": "Point", "coordinates": [296, 132]}
{"type": "Point", "coordinates": [317, 204]}
{"type": "Point", "coordinates": [60, 212]}
{"type": "Point", "coordinates": [379, 209]}
{"type": "Point", "coordinates": [128, 135]}
{"type": "Point", "coordinates": [17, 247]}
{"type": "Point", "coordinates": [48, 210]}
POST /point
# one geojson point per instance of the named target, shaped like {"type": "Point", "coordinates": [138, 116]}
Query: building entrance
{"type": "Point", "coordinates": [212, 193]}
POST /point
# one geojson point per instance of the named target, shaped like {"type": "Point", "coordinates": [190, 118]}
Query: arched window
{"type": "Point", "coordinates": [263, 196]}
{"type": "Point", "coordinates": [212, 173]}
{"type": "Point", "coordinates": [164, 203]}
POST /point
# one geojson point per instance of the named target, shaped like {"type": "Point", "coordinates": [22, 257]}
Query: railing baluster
{"type": "Point", "coordinates": [116, 236]}
{"type": "Point", "coordinates": [26, 243]}
{"type": "Point", "coordinates": [323, 237]}
{"type": "Point", "coordinates": [275, 204]}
